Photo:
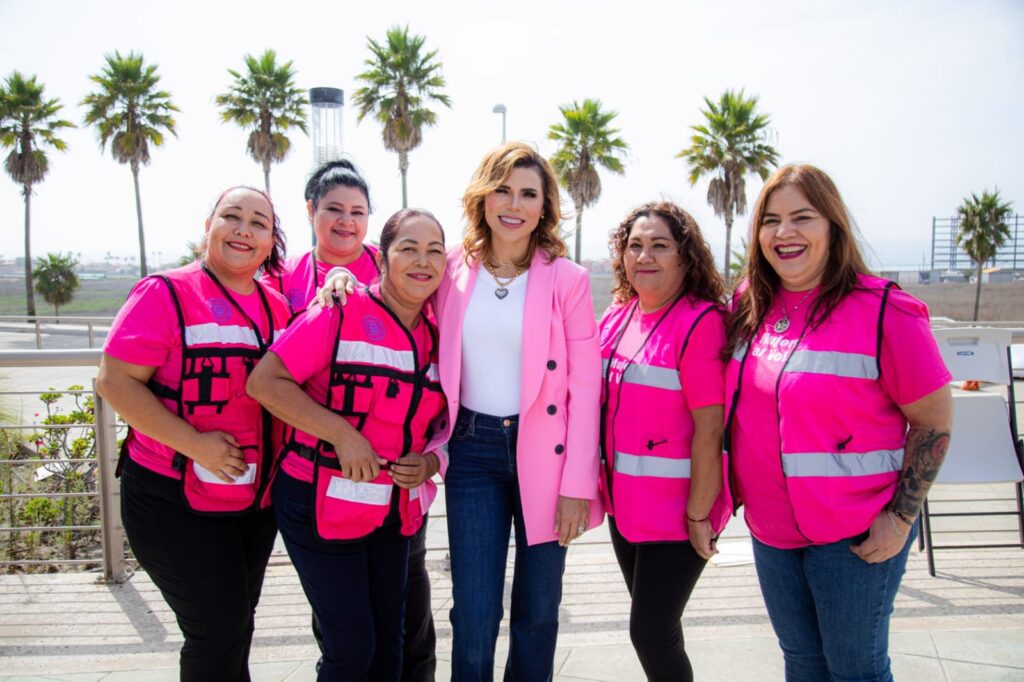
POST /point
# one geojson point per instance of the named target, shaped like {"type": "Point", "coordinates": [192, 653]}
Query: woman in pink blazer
{"type": "Point", "coordinates": [520, 365]}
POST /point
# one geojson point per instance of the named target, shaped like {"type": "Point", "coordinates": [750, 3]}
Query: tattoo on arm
{"type": "Point", "coordinates": [923, 454]}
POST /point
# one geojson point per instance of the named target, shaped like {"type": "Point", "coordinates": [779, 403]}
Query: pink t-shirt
{"type": "Point", "coordinates": [307, 351]}
{"type": "Point", "coordinates": [298, 285]}
{"type": "Point", "coordinates": [700, 367]}
{"type": "Point", "coordinates": [912, 367]}
{"type": "Point", "coordinates": [146, 332]}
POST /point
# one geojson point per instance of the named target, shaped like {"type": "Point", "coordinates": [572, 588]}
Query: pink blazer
{"type": "Point", "coordinates": [559, 411]}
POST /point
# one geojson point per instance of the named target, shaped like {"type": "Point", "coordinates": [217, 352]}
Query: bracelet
{"type": "Point", "coordinates": [892, 521]}
{"type": "Point", "coordinates": [693, 520]}
{"type": "Point", "coordinates": [901, 516]}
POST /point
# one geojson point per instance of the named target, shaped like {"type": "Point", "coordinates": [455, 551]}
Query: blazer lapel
{"type": "Point", "coordinates": [453, 312]}
{"type": "Point", "coordinates": [540, 289]}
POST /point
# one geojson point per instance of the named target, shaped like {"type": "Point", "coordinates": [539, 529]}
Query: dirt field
{"type": "Point", "coordinates": [999, 302]}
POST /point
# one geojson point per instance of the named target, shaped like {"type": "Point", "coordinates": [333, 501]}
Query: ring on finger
{"type": "Point", "coordinates": [580, 530]}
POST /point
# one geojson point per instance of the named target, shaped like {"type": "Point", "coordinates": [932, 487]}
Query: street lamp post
{"type": "Point", "coordinates": [501, 109]}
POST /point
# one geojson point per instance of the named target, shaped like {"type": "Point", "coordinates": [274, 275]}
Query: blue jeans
{"type": "Point", "coordinates": [830, 609]}
{"type": "Point", "coordinates": [356, 588]}
{"type": "Point", "coordinates": [482, 495]}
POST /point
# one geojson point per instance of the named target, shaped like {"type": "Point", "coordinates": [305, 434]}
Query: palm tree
{"type": "Point", "coordinates": [588, 143]}
{"type": "Point", "coordinates": [130, 113]}
{"type": "Point", "coordinates": [28, 121]}
{"type": "Point", "coordinates": [266, 101]}
{"type": "Point", "coordinates": [401, 82]}
{"type": "Point", "coordinates": [730, 144]}
{"type": "Point", "coordinates": [983, 229]}
{"type": "Point", "coordinates": [56, 279]}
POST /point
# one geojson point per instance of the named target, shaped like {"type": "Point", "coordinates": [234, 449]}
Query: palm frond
{"type": "Point", "coordinates": [587, 144]}
{"type": "Point", "coordinates": [400, 82]}
{"type": "Point", "coordinates": [127, 110]}
{"type": "Point", "coordinates": [29, 121]}
{"type": "Point", "coordinates": [264, 100]}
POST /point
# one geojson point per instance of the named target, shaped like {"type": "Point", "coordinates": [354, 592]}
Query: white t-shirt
{"type": "Point", "coordinates": [492, 347]}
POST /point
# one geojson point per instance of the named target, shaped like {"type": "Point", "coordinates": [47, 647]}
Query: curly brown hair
{"type": "Point", "coordinates": [700, 276]}
{"type": "Point", "coordinates": [493, 170]}
{"type": "Point", "coordinates": [844, 263]}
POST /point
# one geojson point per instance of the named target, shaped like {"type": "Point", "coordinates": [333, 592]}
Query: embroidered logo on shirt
{"type": "Point", "coordinates": [374, 328]}
{"type": "Point", "coordinates": [220, 309]}
{"type": "Point", "coordinates": [294, 297]}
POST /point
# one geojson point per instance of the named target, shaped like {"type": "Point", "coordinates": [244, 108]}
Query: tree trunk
{"type": "Point", "coordinates": [977, 293]}
{"type": "Point", "coordinates": [138, 211]}
{"type": "Point", "coordinates": [30, 293]}
{"type": "Point", "coordinates": [403, 165]}
{"type": "Point", "coordinates": [266, 176]}
{"type": "Point", "coordinates": [579, 231]}
{"type": "Point", "coordinates": [727, 275]}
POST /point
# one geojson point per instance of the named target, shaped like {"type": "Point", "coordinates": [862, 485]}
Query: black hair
{"type": "Point", "coordinates": [272, 265]}
{"type": "Point", "coordinates": [332, 174]}
{"type": "Point", "coordinates": [395, 222]}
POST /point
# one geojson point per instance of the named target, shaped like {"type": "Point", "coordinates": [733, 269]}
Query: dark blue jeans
{"type": "Point", "coordinates": [482, 496]}
{"type": "Point", "coordinates": [357, 589]}
{"type": "Point", "coordinates": [830, 609]}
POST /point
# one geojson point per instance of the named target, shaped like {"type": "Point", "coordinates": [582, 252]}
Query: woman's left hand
{"type": "Point", "coordinates": [883, 542]}
{"type": "Point", "coordinates": [411, 470]}
{"type": "Point", "coordinates": [571, 519]}
{"type": "Point", "coordinates": [703, 538]}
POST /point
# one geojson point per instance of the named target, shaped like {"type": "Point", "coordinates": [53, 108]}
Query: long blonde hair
{"type": "Point", "coordinates": [493, 170]}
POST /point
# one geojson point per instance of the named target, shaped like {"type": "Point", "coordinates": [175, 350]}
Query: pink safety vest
{"type": "Point", "coordinates": [299, 280]}
{"type": "Point", "coordinates": [380, 386]}
{"type": "Point", "coordinates": [646, 440]}
{"type": "Point", "coordinates": [220, 345]}
{"type": "Point", "coordinates": [842, 437]}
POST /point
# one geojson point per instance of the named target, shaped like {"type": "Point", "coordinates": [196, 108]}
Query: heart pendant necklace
{"type": "Point", "coordinates": [783, 322]}
{"type": "Point", "coordinates": [502, 282]}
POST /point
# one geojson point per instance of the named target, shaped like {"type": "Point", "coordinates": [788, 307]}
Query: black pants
{"type": "Point", "coordinates": [209, 570]}
{"type": "Point", "coordinates": [356, 588]}
{"type": "Point", "coordinates": [419, 661]}
{"type": "Point", "coordinates": [660, 578]}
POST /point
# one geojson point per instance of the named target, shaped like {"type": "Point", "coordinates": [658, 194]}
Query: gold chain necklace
{"type": "Point", "coordinates": [502, 282]}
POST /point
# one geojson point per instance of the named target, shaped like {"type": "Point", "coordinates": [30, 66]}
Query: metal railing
{"type": "Point", "coordinates": [113, 558]}
{"type": "Point", "coordinates": [51, 323]}
{"type": "Point", "coordinates": [104, 486]}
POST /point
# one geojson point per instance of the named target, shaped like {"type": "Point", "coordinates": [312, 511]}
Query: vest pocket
{"type": "Point", "coordinates": [343, 509]}
{"type": "Point", "coordinates": [205, 385]}
{"type": "Point", "coordinates": [351, 395]}
{"type": "Point", "coordinates": [204, 491]}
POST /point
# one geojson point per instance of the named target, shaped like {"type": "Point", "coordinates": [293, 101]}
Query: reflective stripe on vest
{"type": "Point", "coordinates": [834, 363]}
{"type": "Point", "coordinates": [371, 354]}
{"type": "Point", "coordinates": [211, 332]}
{"type": "Point", "coordinates": [653, 467]}
{"type": "Point", "coordinates": [647, 375]}
{"type": "Point", "coordinates": [841, 465]}
{"type": "Point", "coordinates": [364, 493]}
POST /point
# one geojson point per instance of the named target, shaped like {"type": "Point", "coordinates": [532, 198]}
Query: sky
{"type": "Point", "coordinates": [909, 106]}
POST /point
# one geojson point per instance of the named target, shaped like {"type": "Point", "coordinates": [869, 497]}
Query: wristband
{"type": "Point", "coordinates": [892, 521]}
{"type": "Point", "coordinates": [901, 516]}
{"type": "Point", "coordinates": [693, 520]}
